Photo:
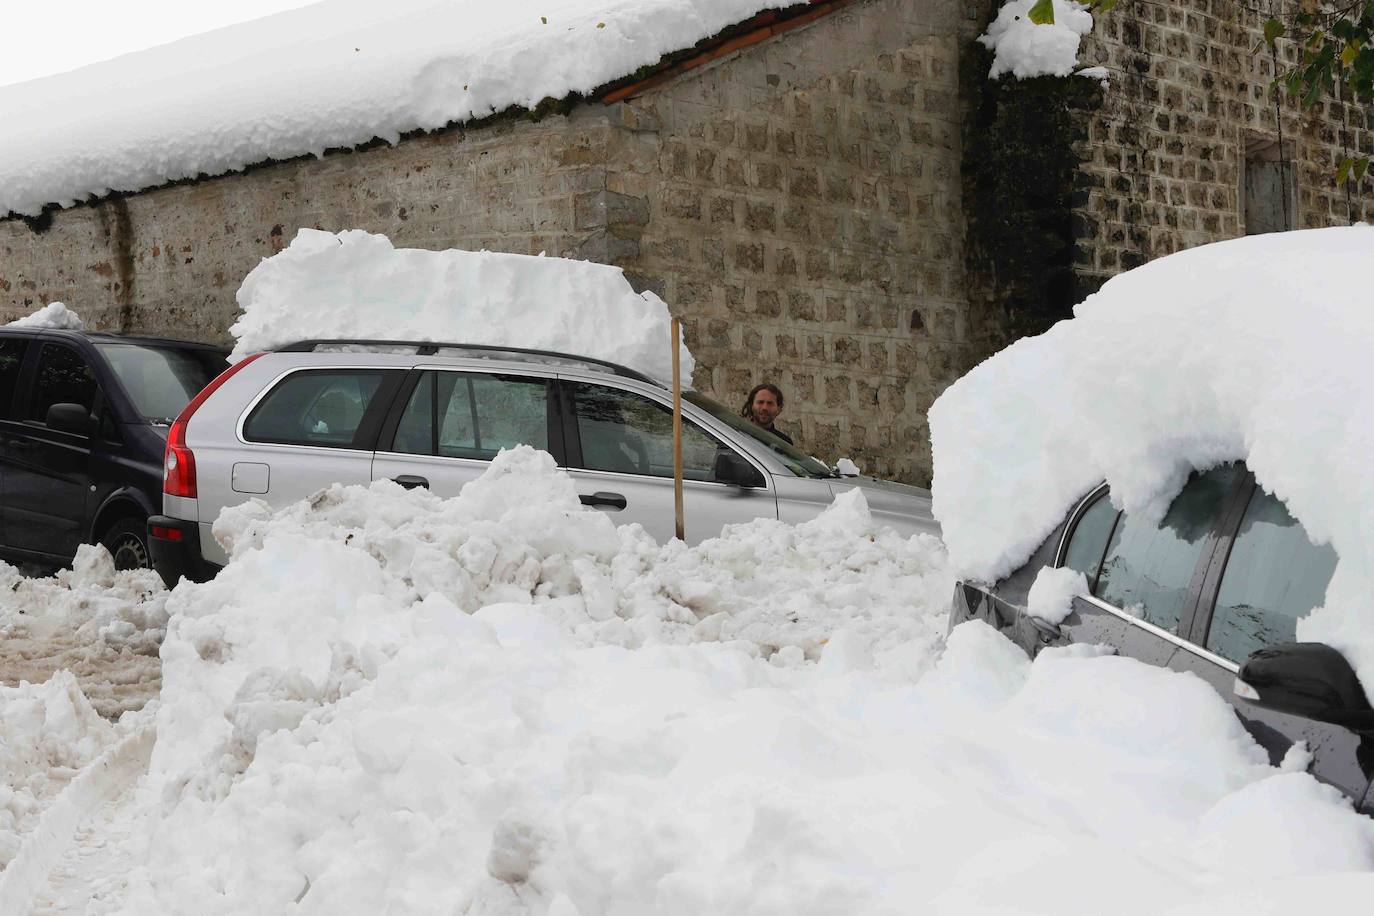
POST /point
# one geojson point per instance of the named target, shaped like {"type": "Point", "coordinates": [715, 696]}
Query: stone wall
{"type": "Point", "coordinates": [168, 261]}
{"type": "Point", "coordinates": [1164, 156]}
{"type": "Point", "coordinates": [797, 203]}
{"type": "Point", "coordinates": [804, 215]}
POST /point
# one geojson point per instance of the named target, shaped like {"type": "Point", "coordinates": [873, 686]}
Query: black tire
{"type": "Point", "coordinates": [127, 542]}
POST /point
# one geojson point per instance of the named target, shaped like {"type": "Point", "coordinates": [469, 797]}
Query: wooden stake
{"type": "Point", "coordinates": [677, 433]}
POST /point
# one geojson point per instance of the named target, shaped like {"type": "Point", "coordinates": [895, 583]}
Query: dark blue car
{"type": "Point", "coordinates": [1215, 588]}
{"type": "Point", "coordinates": [83, 428]}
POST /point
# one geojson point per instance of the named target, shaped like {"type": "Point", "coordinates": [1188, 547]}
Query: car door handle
{"type": "Point", "coordinates": [1047, 629]}
{"type": "Point", "coordinates": [610, 500]}
{"type": "Point", "coordinates": [411, 481]}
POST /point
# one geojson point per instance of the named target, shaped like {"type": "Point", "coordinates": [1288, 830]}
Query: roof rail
{"type": "Point", "coordinates": [432, 347]}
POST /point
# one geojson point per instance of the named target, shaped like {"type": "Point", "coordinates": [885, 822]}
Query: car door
{"type": "Point", "coordinates": [1143, 575]}
{"type": "Point", "coordinates": [311, 427]}
{"type": "Point", "coordinates": [48, 475]}
{"type": "Point", "coordinates": [450, 423]}
{"type": "Point", "coordinates": [620, 456]}
{"type": "Point", "coordinates": [12, 354]}
{"type": "Point", "coordinates": [1266, 574]}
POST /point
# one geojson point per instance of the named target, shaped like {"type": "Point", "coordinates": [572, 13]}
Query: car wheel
{"type": "Point", "coordinates": [127, 542]}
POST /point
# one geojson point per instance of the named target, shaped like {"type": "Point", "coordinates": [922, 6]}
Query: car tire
{"type": "Point", "coordinates": [127, 542]}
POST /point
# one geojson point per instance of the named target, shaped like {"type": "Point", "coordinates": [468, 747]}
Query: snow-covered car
{"type": "Point", "coordinates": [83, 423]}
{"type": "Point", "coordinates": [1180, 474]}
{"type": "Point", "coordinates": [280, 425]}
{"type": "Point", "coordinates": [1216, 587]}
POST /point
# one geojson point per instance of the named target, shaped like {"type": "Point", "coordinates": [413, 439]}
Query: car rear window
{"type": "Point", "coordinates": [316, 407]}
{"type": "Point", "coordinates": [161, 380]}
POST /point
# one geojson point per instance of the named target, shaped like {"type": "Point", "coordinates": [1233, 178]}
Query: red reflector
{"type": "Point", "coordinates": [178, 461]}
{"type": "Point", "coordinates": [166, 534]}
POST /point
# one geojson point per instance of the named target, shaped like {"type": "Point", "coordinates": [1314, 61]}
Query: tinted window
{"type": "Point", "coordinates": [11, 359]}
{"type": "Point", "coordinates": [64, 377]}
{"type": "Point", "coordinates": [630, 434]}
{"type": "Point", "coordinates": [321, 407]}
{"type": "Point", "coordinates": [475, 416]}
{"type": "Point", "coordinates": [162, 380]}
{"type": "Point", "coordinates": [1148, 567]}
{"type": "Point", "coordinates": [1089, 538]}
{"type": "Point", "coordinates": [1274, 576]}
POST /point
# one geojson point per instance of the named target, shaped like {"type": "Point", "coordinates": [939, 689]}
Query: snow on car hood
{"type": "Point", "coordinates": [891, 502]}
{"type": "Point", "coordinates": [1255, 348]}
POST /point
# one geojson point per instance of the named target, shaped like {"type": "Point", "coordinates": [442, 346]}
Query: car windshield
{"type": "Point", "coordinates": [161, 380]}
{"type": "Point", "coordinates": [796, 461]}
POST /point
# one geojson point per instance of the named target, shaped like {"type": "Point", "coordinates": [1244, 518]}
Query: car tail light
{"type": "Point", "coordinates": [178, 461]}
{"type": "Point", "coordinates": [165, 532]}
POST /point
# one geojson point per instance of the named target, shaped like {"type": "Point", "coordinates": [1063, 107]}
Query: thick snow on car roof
{"type": "Point", "coordinates": [332, 74]}
{"type": "Point", "coordinates": [1256, 349]}
{"type": "Point", "coordinates": [355, 284]}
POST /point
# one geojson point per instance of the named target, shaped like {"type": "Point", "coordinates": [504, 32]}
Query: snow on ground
{"type": "Point", "coordinates": [356, 284]}
{"type": "Point", "coordinates": [1025, 49]}
{"type": "Point", "coordinates": [1254, 348]}
{"type": "Point", "coordinates": [500, 703]}
{"type": "Point", "coordinates": [103, 626]}
{"type": "Point", "coordinates": [332, 74]}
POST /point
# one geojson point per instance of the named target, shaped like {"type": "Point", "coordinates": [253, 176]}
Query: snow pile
{"type": "Point", "coordinates": [332, 74]}
{"type": "Point", "coordinates": [103, 626]}
{"type": "Point", "coordinates": [1024, 49]}
{"type": "Point", "coordinates": [48, 732]}
{"type": "Point", "coordinates": [356, 284]}
{"type": "Point", "coordinates": [1052, 593]}
{"type": "Point", "coordinates": [500, 703]}
{"type": "Point", "coordinates": [54, 315]}
{"type": "Point", "coordinates": [1254, 348]}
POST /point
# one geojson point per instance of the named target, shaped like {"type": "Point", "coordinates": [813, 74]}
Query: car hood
{"type": "Point", "coordinates": [899, 504]}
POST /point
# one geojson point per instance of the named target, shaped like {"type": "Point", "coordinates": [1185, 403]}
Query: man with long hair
{"type": "Point", "coordinates": [763, 406]}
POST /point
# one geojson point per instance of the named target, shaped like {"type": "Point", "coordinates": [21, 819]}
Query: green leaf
{"type": "Point", "coordinates": [1344, 171]}
{"type": "Point", "coordinates": [1352, 51]}
{"type": "Point", "coordinates": [1360, 168]}
{"type": "Point", "coordinates": [1273, 28]}
{"type": "Point", "coordinates": [1042, 13]}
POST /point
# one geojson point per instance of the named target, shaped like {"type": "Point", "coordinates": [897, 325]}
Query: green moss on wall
{"type": "Point", "coordinates": [1022, 145]}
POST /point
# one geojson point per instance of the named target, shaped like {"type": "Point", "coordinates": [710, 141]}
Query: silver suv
{"type": "Point", "coordinates": [280, 425]}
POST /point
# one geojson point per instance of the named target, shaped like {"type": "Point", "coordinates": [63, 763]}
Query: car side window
{"type": "Point", "coordinates": [12, 351]}
{"type": "Point", "coordinates": [1273, 576]}
{"type": "Point", "coordinates": [1088, 542]}
{"type": "Point", "coordinates": [1148, 567]}
{"type": "Point", "coordinates": [64, 377]}
{"type": "Point", "coordinates": [319, 407]}
{"type": "Point", "coordinates": [627, 433]}
{"type": "Point", "coordinates": [460, 415]}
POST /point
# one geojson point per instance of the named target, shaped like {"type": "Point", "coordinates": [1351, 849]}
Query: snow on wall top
{"type": "Point", "coordinates": [1024, 49]}
{"type": "Point", "coordinates": [1255, 348]}
{"type": "Point", "coordinates": [333, 74]}
{"type": "Point", "coordinates": [357, 285]}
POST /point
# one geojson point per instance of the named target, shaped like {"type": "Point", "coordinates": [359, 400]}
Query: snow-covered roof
{"type": "Point", "coordinates": [1255, 348]}
{"type": "Point", "coordinates": [334, 74]}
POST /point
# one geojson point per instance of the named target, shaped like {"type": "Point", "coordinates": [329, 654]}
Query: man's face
{"type": "Point", "coordinates": [765, 407]}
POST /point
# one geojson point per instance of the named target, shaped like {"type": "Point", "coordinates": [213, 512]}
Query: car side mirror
{"type": "Point", "coordinates": [1308, 679]}
{"type": "Point", "coordinates": [736, 471]}
{"type": "Point", "coordinates": [70, 418]}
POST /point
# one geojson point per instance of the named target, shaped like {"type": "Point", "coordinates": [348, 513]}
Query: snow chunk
{"type": "Point", "coordinates": [847, 468]}
{"type": "Point", "coordinates": [54, 315]}
{"type": "Point", "coordinates": [1051, 595]}
{"type": "Point", "coordinates": [356, 284]}
{"type": "Point", "coordinates": [1251, 348]}
{"type": "Point", "coordinates": [1024, 49]}
{"type": "Point", "coordinates": [47, 733]}
{"type": "Point", "coordinates": [333, 74]}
